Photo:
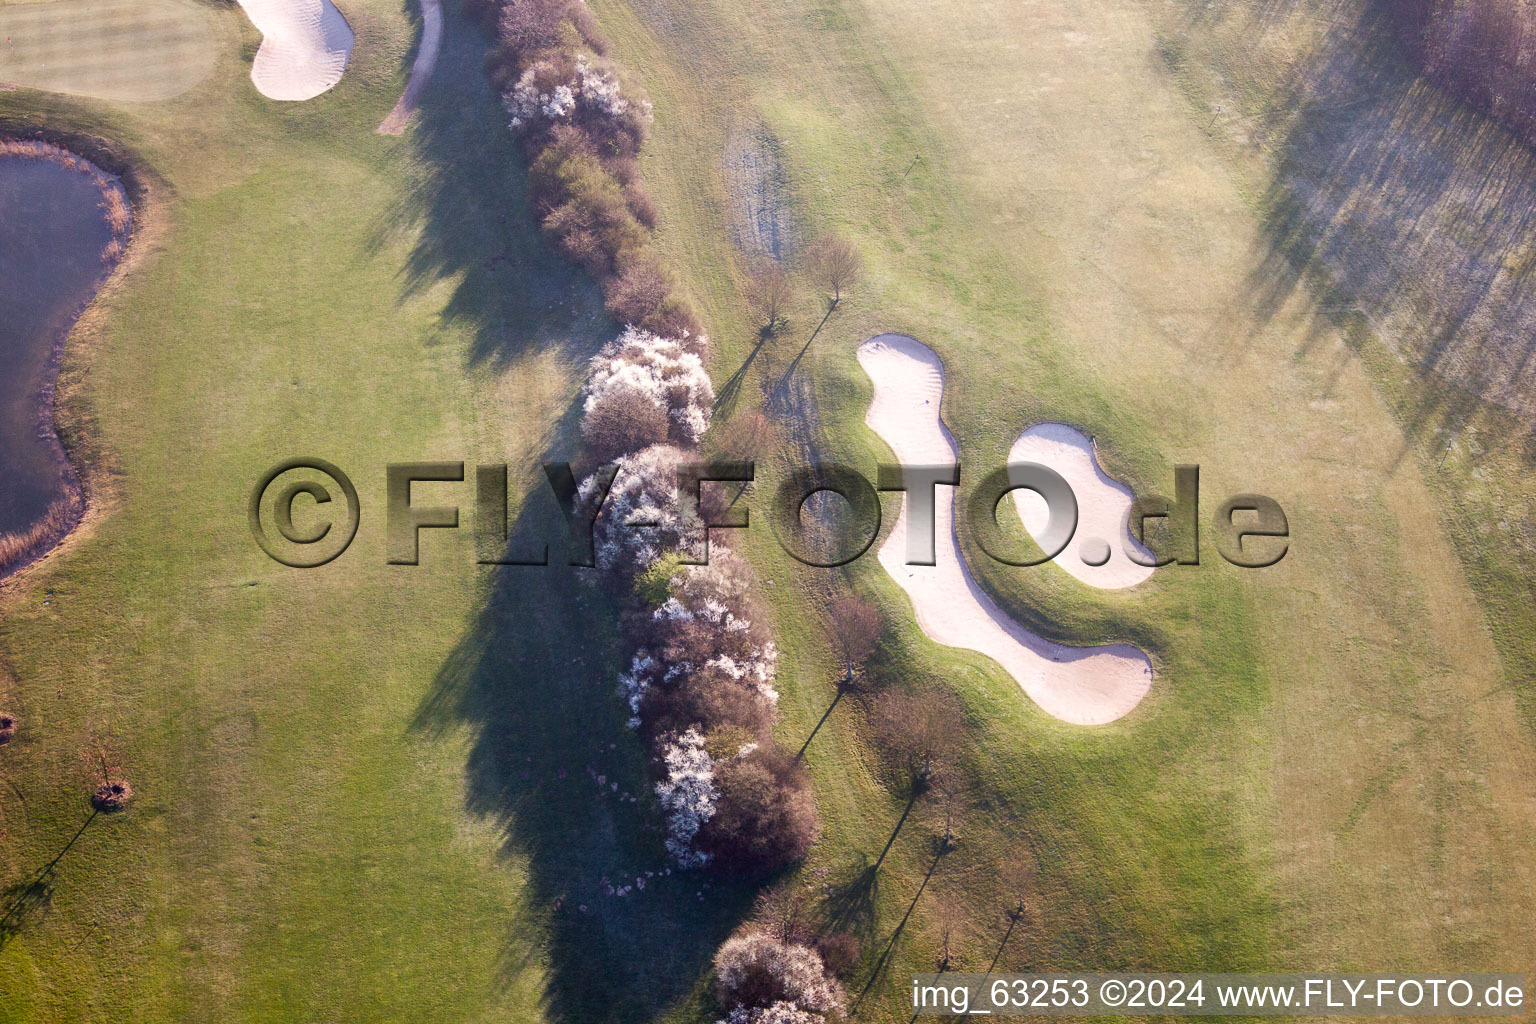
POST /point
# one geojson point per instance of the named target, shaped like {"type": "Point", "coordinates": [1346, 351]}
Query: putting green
{"type": "Point", "coordinates": [134, 50]}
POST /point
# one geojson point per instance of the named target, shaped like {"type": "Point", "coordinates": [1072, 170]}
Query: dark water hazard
{"type": "Point", "coordinates": [53, 232]}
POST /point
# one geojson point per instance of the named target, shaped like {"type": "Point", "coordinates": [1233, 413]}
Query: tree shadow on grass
{"type": "Point", "coordinates": [1408, 213]}
{"type": "Point", "coordinates": [901, 926]}
{"type": "Point", "coordinates": [725, 398]}
{"type": "Point", "coordinates": [27, 902]}
{"type": "Point", "coordinates": [553, 763]}
{"type": "Point", "coordinates": [468, 209]}
{"type": "Point", "coordinates": [850, 904]}
{"type": "Point", "coordinates": [618, 935]}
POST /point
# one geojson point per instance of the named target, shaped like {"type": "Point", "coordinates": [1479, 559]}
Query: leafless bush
{"type": "Point", "coordinates": [674, 318]}
{"type": "Point", "coordinates": [835, 264]}
{"type": "Point", "coordinates": [767, 818]}
{"type": "Point", "coordinates": [919, 732]}
{"type": "Point", "coordinates": [637, 292]}
{"type": "Point", "coordinates": [840, 952]}
{"type": "Point", "coordinates": [622, 422]}
{"type": "Point", "coordinates": [585, 211]}
{"type": "Point", "coordinates": [641, 204]}
{"type": "Point", "coordinates": [526, 29]}
{"type": "Point", "coordinates": [7, 727]}
{"type": "Point", "coordinates": [712, 696]}
{"type": "Point", "coordinates": [769, 293]}
{"type": "Point", "coordinates": [856, 628]}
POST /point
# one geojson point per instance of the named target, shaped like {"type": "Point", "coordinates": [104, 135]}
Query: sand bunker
{"type": "Point", "coordinates": [305, 45]}
{"type": "Point", "coordinates": [1103, 505]}
{"type": "Point", "coordinates": [1082, 685]}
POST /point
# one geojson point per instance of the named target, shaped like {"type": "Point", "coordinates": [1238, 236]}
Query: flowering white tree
{"type": "Point", "coordinates": [759, 970]}
{"type": "Point", "coordinates": [599, 90]}
{"type": "Point", "coordinates": [688, 795]}
{"type": "Point", "coordinates": [642, 516]}
{"type": "Point", "coordinates": [779, 1013]}
{"type": "Point", "coordinates": [548, 92]}
{"type": "Point", "coordinates": [703, 624]}
{"type": "Point", "coordinates": [539, 93]}
{"type": "Point", "coordinates": [640, 366]}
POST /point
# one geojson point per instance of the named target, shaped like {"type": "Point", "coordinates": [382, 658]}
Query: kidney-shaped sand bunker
{"type": "Point", "coordinates": [1082, 685]}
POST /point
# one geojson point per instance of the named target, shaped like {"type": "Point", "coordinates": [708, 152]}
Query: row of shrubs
{"type": "Point", "coordinates": [702, 667]}
{"type": "Point", "coordinates": [583, 127]}
{"type": "Point", "coordinates": [702, 661]}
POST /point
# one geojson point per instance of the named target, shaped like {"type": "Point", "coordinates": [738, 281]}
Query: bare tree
{"type": "Point", "coordinates": [836, 265]}
{"type": "Point", "coordinates": [782, 908]}
{"type": "Point", "coordinates": [948, 791]}
{"type": "Point", "coordinates": [919, 731]}
{"type": "Point", "coordinates": [110, 789]}
{"type": "Point", "coordinates": [1017, 875]}
{"type": "Point", "coordinates": [856, 628]}
{"type": "Point", "coordinates": [769, 292]}
{"type": "Point", "coordinates": [951, 924]}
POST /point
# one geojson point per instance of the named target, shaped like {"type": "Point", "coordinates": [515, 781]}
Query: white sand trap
{"type": "Point", "coordinates": [305, 46]}
{"type": "Point", "coordinates": [1103, 507]}
{"type": "Point", "coordinates": [1082, 685]}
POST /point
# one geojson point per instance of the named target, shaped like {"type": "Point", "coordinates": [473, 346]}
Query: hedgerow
{"type": "Point", "coordinates": [700, 677]}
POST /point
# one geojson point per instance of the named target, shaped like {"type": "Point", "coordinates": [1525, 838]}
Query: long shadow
{"type": "Point", "coordinates": [466, 212]}
{"type": "Point", "coordinates": [885, 956]}
{"type": "Point", "coordinates": [617, 934]}
{"type": "Point", "coordinates": [1013, 921]}
{"type": "Point", "coordinates": [27, 901]}
{"type": "Point", "coordinates": [725, 398]}
{"type": "Point", "coordinates": [794, 363]}
{"type": "Point", "coordinates": [850, 906]}
{"type": "Point", "coordinates": [820, 722]}
{"type": "Point", "coordinates": [905, 812]}
{"type": "Point", "coordinates": [1407, 210]}
{"type": "Point", "coordinates": [553, 763]}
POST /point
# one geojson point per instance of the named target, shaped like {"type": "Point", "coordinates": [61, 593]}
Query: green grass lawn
{"type": "Point", "coordinates": [133, 50]}
{"type": "Point", "coordinates": [1330, 767]}
{"type": "Point", "coordinates": [298, 849]}
{"type": "Point", "coordinates": [350, 794]}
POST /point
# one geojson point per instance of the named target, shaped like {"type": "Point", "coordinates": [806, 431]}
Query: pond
{"type": "Point", "coordinates": [54, 234]}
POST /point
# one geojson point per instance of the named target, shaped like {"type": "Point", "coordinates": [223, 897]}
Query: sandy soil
{"type": "Point", "coordinates": [1103, 504]}
{"type": "Point", "coordinates": [1082, 685]}
{"type": "Point", "coordinates": [304, 48]}
{"type": "Point", "coordinates": [421, 70]}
